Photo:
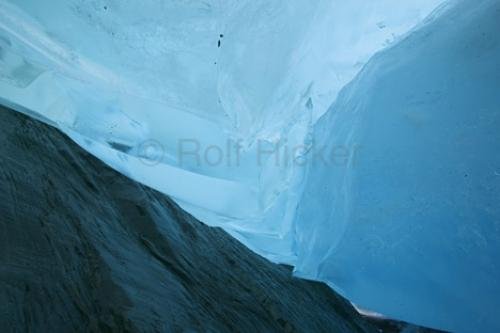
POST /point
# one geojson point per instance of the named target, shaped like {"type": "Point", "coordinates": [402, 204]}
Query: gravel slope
{"type": "Point", "coordinates": [83, 248]}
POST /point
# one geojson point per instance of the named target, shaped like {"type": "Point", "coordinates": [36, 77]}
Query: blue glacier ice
{"type": "Point", "coordinates": [411, 227]}
{"type": "Point", "coordinates": [130, 81]}
{"type": "Point", "coordinates": [355, 140]}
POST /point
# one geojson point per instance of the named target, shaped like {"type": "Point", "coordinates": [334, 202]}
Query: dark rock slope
{"type": "Point", "coordinates": [83, 248]}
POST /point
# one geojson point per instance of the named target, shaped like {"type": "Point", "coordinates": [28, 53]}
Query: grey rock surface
{"type": "Point", "coordinates": [85, 249]}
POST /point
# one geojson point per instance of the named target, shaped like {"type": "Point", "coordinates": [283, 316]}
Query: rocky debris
{"type": "Point", "coordinates": [85, 249]}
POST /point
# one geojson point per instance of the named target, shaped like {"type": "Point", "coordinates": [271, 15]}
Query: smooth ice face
{"type": "Point", "coordinates": [410, 227]}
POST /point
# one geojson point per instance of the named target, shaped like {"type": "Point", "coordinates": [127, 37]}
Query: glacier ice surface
{"type": "Point", "coordinates": [132, 82]}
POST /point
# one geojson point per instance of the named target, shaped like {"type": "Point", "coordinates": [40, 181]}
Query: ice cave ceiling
{"type": "Point", "coordinates": [221, 104]}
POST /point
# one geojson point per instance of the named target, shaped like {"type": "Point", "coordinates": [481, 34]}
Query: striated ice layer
{"type": "Point", "coordinates": [410, 226]}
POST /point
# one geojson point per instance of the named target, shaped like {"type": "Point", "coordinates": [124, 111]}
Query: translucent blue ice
{"type": "Point", "coordinates": [219, 103]}
{"type": "Point", "coordinates": [410, 226]}
{"type": "Point", "coordinates": [138, 79]}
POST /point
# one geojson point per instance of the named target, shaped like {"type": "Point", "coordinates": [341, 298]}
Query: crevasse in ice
{"type": "Point", "coordinates": [233, 82]}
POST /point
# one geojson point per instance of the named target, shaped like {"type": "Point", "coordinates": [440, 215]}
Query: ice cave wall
{"type": "Point", "coordinates": [411, 226]}
{"type": "Point", "coordinates": [129, 80]}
